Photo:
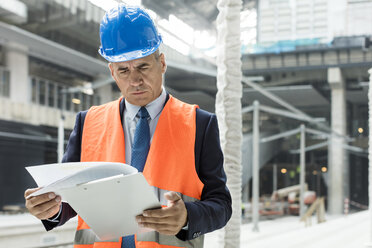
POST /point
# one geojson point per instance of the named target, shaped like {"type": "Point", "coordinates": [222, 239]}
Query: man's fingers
{"type": "Point", "coordinates": [30, 191]}
{"type": "Point", "coordinates": [46, 206]}
{"type": "Point", "coordinates": [149, 220]}
{"type": "Point", "coordinates": [42, 206]}
{"type": "Point", "coordinates": [161, 228]}
{"type": "Point", "coordinates": [172, 196]}
{"type": "Point", "coordinates": [37, 200]}
{"type": "Point", "coordinates": [48, 213]}
{"type": "Point", "coordinates": [167, 220]}
{"type": "Point", "coordinates": [159, 213]}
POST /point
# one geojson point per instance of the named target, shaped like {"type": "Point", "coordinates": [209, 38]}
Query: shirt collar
{"type": "Point", "coordinates": [154, 108]}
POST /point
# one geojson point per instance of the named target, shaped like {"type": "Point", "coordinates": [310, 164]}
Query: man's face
{"type": "Point", "coordinates": [139, 80]}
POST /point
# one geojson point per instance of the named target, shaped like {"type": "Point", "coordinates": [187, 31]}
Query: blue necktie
{"type": "Point", "coordinates": [140, 149]}
{"type": "Point", "coordinates": [141, 141]}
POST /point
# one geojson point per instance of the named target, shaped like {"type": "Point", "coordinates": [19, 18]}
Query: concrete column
{"type": "Point", "coordinates": [256, 166]}
{"type": "Point", "coordinates": [302, 170]}
{"type": "Point", "coordinates": [16, 60]}
{"type": "Point", "coordinates": [228, 111]}
{"type": "Point", "coordinates": [338, 186]}
{"type": "Point", "coordinates": [275, 178]}
{"type": "Point", "coordinates": [245, 193]}
{"type": "Point", "coordinates": [369, 244]}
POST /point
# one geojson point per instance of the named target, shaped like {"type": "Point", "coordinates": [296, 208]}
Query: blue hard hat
{"type": "Point", "coordinates": [127, 33]}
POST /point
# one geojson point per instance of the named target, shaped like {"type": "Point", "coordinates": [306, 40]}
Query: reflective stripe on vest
{"type": "Point", "coordinates": [87, 236]}
{"type": "Point", "coordinates": [172, 144]}
{"type": "Point", "coordinates": [154, 238]}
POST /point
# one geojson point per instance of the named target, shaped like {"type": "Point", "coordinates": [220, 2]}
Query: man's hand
{"type": "Point", "coordinates": [42, 206]}
{"type": "Point", "coordinates": [168, 220]}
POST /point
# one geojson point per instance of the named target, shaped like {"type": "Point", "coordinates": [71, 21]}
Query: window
{"type": "Point", "coordinates": [34, 90]}
{"type": "Point", "coordinates": [42, 91]}
{"type": "Point", "coordinates": [85, 101]}
{"type": "Point", "coordinates": [51, 94]}
{"type": "Point", "coordinates": [4, 83]}
{"type": "Point", "coordinates": [91, 101]}
{"type": "Point", "coordinates": [68, 101]}
{"type": "Point", "coordinates": [60, 96]}
{"type": "Point", "coordinates": [77, 102]}
{"type": "Point", "coordinates": [96, 100]}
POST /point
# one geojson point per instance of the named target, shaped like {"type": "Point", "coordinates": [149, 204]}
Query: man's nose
{"type": "Point", "coordinates": [135, 78]}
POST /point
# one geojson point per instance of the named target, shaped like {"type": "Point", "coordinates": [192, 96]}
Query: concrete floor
{"type": "Point", "coordinates": [24, 230]}
{"type": "Point", "coordinates": [351, 231]}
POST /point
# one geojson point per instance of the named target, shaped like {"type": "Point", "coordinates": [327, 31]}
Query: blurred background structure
{"type": "Point", "coordinates": [313, 54]}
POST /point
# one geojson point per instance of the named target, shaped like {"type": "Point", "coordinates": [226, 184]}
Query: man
{"type": "Point", "coordinates": [174, 144]}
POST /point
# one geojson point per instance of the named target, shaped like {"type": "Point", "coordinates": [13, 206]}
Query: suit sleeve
{"type": "Point", "coordinates": [214, 209]}
{"type": "Point", "coordinates": [72, 154]}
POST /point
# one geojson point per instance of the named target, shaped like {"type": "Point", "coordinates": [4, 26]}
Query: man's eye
{"type": "Point", "coordinates": [123, 71]}
{"type": "Point", "coordinates": [143, 68]}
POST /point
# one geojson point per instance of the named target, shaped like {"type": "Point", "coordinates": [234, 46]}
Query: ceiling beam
{"type": "Point", "coordinates": [50, 51]}
{"type": "Point", "coordinates": [56, 24]}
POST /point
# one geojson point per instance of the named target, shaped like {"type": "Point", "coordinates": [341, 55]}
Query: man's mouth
{"type": "Point", "coordinates": [138, 92]}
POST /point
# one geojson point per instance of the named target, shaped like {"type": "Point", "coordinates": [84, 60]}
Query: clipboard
{"type": "Point", "coordinates": [108, 196]}
{"type": "Point", "coordinates": [109, 206]}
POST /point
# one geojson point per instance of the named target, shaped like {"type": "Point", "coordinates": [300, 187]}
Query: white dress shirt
{"type": "Point", "coordinates": [130, 120]}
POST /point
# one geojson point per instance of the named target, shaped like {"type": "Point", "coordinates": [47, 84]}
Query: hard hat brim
{"type": "Point", "coordinates": [137, 54]}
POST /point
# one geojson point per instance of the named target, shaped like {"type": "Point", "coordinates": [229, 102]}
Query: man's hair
{"type": "Point", "coordinates": [157, 54]}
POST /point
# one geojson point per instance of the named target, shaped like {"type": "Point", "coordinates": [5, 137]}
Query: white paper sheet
{"type": "Point", "coordinates": [53, 177]}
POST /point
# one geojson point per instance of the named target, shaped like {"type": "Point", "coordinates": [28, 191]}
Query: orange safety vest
{"type": "Point", "coordinates": [170, 165]}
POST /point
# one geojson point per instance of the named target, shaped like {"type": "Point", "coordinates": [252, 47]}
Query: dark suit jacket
{"type": "Point", "coordinates": [214, 209]}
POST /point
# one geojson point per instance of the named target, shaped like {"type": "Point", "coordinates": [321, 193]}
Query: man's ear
{"type": "Point", "coordinates": [163, 63]}
{"type": "Point", "coordinates": [111, 67]}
